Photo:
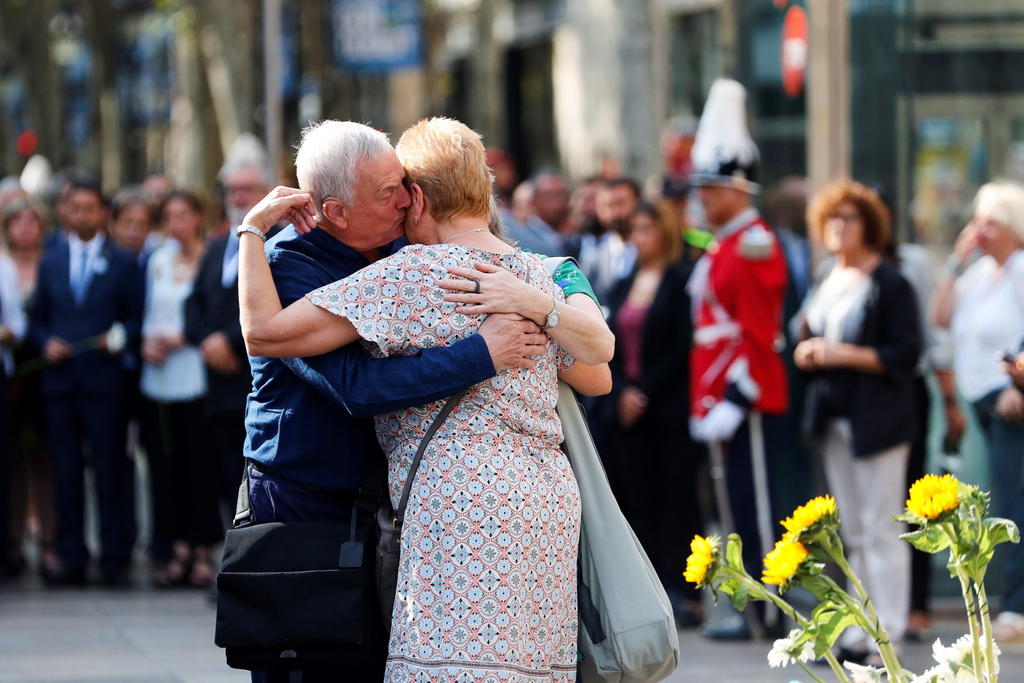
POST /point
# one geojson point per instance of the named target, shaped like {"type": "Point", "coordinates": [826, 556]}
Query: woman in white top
{"type": "Point", "coordinates": [173, 382]}
{"type": "Point", "coordinates": [861, 345]}
{"type": "Point", "coordinates": [983, 305]}
{"type": "Point", "coordinates": [30, 474]}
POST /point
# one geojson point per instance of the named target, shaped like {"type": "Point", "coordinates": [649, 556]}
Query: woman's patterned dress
{"type": "Point", "coordinates": [487, 577]}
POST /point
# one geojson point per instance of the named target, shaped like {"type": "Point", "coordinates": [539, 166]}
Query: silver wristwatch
{"type": "Point", "coordinates": [254, 230]}
{"type": "Point", "coordinates": [553, 317]}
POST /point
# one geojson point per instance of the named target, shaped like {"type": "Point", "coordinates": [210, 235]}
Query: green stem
{"type": "Point", "coordinates": [980, 660]}
{"type": "Point", "coordinates": [809, 672]}
{"type": "Point", "coordinates": [972, 621]}
{"type": "Point", "coordinates": [791, 612]}
{"type": "Point", "coordinates": [866, 611]}
{"type": "Point", "coordinates": [991, 665]}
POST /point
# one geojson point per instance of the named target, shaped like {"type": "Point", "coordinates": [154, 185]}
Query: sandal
{"type": "Point", "coordinates": [171, 574]}
{"type": "Point", "coordinates": [1009, 627]}
{"type": "Point", "coordinates": [203, 572]}
{"type": "Point", "coordinates": [176, 570]}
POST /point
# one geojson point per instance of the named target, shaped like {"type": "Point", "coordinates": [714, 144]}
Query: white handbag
{"type": "Point", "coordinates": [627, 632]}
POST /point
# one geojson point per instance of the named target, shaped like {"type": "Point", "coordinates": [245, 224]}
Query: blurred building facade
{"type": "Point", "coordinates": [923, 98]}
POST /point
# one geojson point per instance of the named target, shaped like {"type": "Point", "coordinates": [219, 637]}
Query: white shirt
{"type": "Point", "coordinates": [90, 251]}
{"type": "Point", "coordinates": [988, 320]}
{"type": "Point", "coordinates": [12, 312]}
{"type": "Point", "coordinates": [183, 376]}
{"type": "Point", "coordinates": [835, 308]}
{"type": "Point", "coordinates": [605, 260]}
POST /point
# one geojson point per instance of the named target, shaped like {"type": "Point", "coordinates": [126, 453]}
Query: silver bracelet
{"type": "Point", "coordinates": [241, 229]}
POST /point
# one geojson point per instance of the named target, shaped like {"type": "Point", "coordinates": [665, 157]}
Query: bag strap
{"type": "Point", "coordinates": [449, 406]}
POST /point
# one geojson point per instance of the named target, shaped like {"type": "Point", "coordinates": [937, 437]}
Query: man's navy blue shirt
{"type": "Point", "coordinates": [306, 419]}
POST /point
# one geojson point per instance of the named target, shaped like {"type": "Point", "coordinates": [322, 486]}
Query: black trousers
{"type": "Point", "coordinates": [6, 440]}
{"type": "Point", "coordinates": [739, 473]}
{"type": "Point", "coordinates": [655, 479]}
{"type": "Point", "coordinates": [183, 475]}
{"type": "Point", "coordinates": [81, 427]}
{"type": "Point", "coordinates": [226, 434]}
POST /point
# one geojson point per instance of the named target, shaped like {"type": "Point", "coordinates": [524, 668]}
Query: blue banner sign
{"type": "Point", "coordinates": [377, 35]}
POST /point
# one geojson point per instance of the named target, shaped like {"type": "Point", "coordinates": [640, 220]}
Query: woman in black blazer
{"type": "Point", "coordinates": [862, 343]}
{"type": "Point", "coordinates": [651, 461]}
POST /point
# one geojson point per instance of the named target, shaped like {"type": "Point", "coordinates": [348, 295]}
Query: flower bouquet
{"type": "Point", "coordinates": [945, 514]}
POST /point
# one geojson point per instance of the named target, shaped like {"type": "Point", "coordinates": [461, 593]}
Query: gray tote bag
{"type": "Point", "coordinates": [627, 633]}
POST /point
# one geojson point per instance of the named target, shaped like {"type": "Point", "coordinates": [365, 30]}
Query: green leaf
{"type": "Point", "coordinates": [929, 539]}
{"type": "Point", "coordinates": [1001, 530]}
{"type": "Point", "coordinates": [738, 592]}
{"type": "Point", "coordinates": [829, 626]}
{"type": "Point", "coordinates": [817, 585]}
{"type": "Point", "coordinates": [734, 553]}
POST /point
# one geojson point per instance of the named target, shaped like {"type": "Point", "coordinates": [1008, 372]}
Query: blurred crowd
{"type": "Point", "coordinates": [122, 352]}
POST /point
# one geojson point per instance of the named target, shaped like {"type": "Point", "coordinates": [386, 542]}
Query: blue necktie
{"type": "Point", "coordinates": [229, 267]}
{"type": "Point", "coordinates": [78, 276]}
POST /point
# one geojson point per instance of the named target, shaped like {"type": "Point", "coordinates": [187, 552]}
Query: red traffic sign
{"type": "Point", "coordinates": [794, 50]}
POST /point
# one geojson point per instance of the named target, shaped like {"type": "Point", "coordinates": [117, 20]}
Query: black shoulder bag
{"type": "Point", "coordinates": [310, 595]}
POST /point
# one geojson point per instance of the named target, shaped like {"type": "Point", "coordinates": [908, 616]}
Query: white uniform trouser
{"type": "Point", "coordinates": [870, 491]}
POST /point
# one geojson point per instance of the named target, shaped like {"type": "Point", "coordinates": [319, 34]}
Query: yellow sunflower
{"type": "Point", "coordinates": [931, 496]}
{"type": "Point", "coordinates": [703, 552]}
{"type": "Point", "coordinates": [782, 563]}
{"type": "Point", "coordinates": [822, 508]}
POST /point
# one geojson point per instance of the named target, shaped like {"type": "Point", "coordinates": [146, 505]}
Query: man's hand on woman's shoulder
{"type": "Point", "coordinates": [512, 340]}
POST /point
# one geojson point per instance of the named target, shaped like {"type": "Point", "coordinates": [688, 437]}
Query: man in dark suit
{"type": "Point", "coordinates": [87, 310]}
{"type": "Point", "coordinates": [211, 323]}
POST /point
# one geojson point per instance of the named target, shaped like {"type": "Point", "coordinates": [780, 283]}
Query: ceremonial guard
{"type": "Point", "coordinates": [738, 381]}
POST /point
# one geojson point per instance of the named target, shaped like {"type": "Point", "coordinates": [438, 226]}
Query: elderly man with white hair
{"type": "Point", "coordinates": [982, 303]}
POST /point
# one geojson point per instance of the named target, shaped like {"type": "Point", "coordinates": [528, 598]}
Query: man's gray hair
{"type": "Point", "coordinates": [328, 154]}
{"type": "Point", "coordinates": [247, 151]}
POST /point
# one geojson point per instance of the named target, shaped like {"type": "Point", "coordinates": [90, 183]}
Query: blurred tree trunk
{"type": "Point", "coordinates": [24, 31]}
{"type": "Point", "coordinates": [640, 153]}
{"type": "Point", "coordinates": [488, 77]}
{"type": "Point", "coordinates": [435, 33]}
{"type": "Point", "coordinates": [227, 38]}
{"type": "Point", "coordinates": [103, 24]}
{"type": "Point", "coordinates": [315, 61]}
{"type": "Point", "coordinates": [192, 152]}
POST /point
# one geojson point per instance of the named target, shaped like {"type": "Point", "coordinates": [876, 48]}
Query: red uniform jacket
{"type": "Point", "coordinates": [737, 291]}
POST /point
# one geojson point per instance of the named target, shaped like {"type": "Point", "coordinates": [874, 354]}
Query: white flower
{"type": "Point", "coordinates": [116, 338]}
{"type": "Point", "coordinates": [864, 674]}
{"type": "Point", "coordinates": [936, 674]}
{"type": "Point", "coordinates": [781, 653]}
{"type": "Point", "coordinates": [956, 662]}
{"type": "Point", "coordinates": [779, 656]}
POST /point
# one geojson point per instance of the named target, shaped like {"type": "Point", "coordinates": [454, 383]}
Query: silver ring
{"type": "Point", "coordinates": [476, 286]}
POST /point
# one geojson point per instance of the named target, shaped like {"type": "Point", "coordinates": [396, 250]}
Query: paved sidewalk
{"type": "Point", "coordinates": [147, 636]}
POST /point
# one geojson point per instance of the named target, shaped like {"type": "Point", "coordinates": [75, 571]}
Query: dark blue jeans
{"type": "Point", "coordinates": [1005, 442]}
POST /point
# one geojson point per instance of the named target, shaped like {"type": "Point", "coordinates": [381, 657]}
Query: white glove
{"type": "Point", "coordinates": [719, 424]}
